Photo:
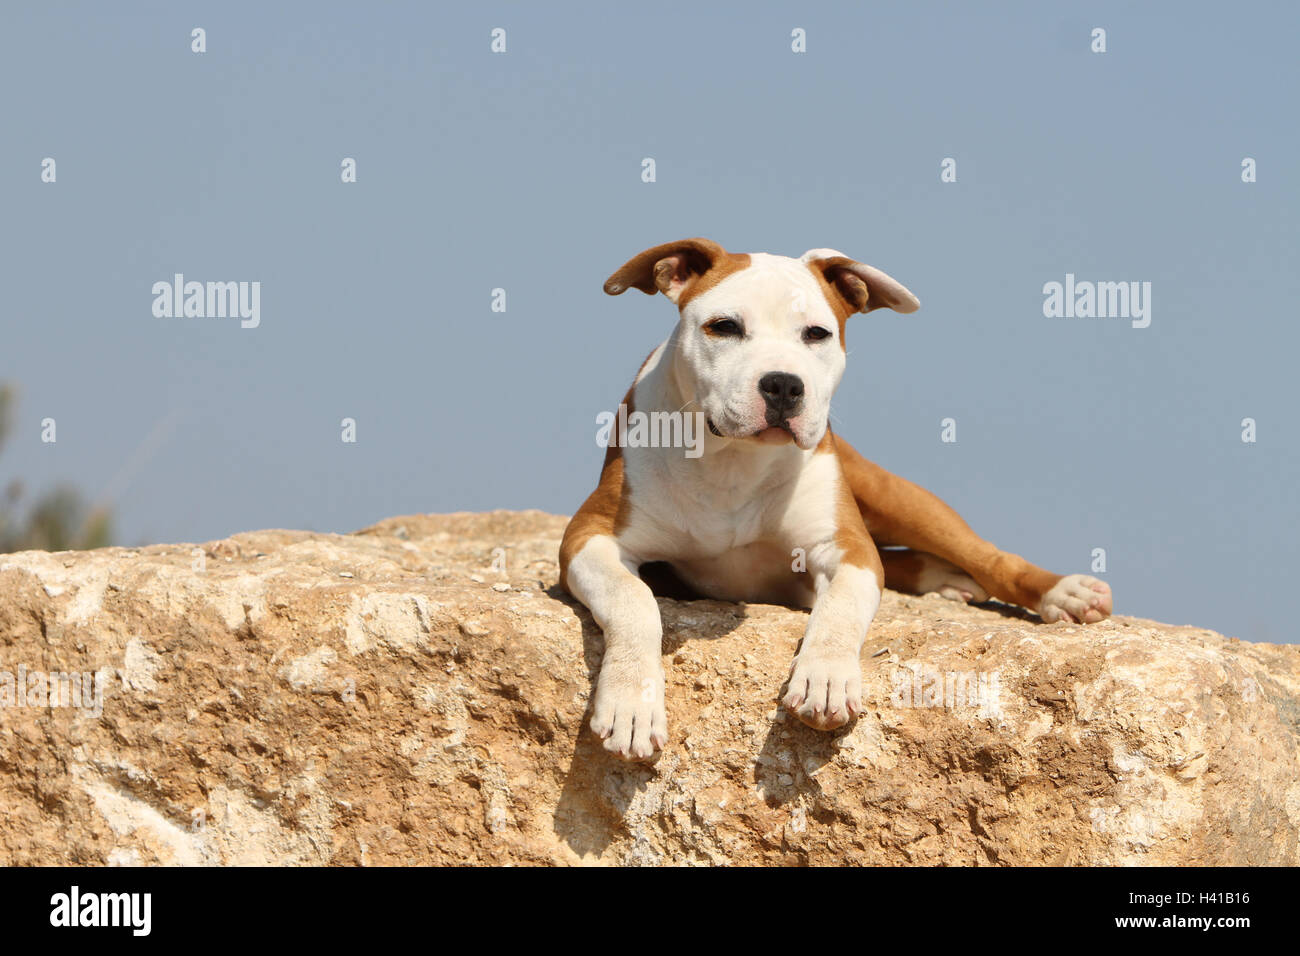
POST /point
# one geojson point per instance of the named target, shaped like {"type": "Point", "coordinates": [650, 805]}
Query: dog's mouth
{"type": "Point", "coordinates": [774, 434]}
{"type": "Point", "coordinates": [771, 434]}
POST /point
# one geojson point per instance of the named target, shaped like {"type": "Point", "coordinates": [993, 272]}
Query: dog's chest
{"type": "Point", "coordinates": [680, 511]}
{"type": "Point", "coordinates": [735, 535]}
{"type": "Point", "coordinates": [762, 572]}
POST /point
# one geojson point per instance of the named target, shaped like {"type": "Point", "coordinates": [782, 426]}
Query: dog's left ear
{"type": "Point", "coordinates": [670, 268]}
{"type": "Point", "coordinates": [858, 286]}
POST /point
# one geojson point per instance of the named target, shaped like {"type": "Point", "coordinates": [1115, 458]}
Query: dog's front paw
{"type": "Point", "coordinates": [1078, 599]}
{"type": "Point", "coordinates": [825, 688]}
{"type": "Point", "coordinates": [629, 714]}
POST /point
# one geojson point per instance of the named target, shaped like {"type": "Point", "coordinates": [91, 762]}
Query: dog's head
{"type": "Point", "coordinates": [760, 347]}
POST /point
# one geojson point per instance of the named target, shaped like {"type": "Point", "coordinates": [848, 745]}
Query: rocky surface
{"type": "Point", "coordinates": [417, 692]}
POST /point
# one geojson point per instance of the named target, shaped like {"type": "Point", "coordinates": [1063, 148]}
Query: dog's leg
{"type": "Point", "coordinates": [629, 707]}
{"type": "Point", "coordinates": [899, 512]}
{"type": "Point", "coordinates": [915, 572]}
{"type": "Point", "coordinates": [825, 689]}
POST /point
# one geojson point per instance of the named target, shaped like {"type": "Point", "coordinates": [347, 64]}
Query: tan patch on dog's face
{"type": "Point", "coordinates": [851, 286]}
{"type": "Point", "coordinates": [727, 265]}
{"type": "Point", "coordinates": [841, 307]}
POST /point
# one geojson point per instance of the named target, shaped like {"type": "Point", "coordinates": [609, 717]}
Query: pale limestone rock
{"type": "Point", "coordinates": [393, 697]}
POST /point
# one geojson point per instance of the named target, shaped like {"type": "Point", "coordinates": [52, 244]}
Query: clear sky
{"type": "Point", "coordinates": [522, 171]}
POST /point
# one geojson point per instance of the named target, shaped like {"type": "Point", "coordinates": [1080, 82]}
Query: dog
{"type": "Point", "coordinates": [777, 508]}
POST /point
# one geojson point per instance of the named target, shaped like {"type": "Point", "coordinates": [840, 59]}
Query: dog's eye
{"type": "Point", "coordinates": [815, 333]}
{"type": "Point", "coordinates": [724, 327]}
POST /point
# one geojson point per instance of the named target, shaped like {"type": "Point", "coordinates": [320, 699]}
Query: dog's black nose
{"type": "Point", "coordinates": [783, 393]}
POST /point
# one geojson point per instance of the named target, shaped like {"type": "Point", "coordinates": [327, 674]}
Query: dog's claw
{"type": "Point", "coordinates": [825, 689]}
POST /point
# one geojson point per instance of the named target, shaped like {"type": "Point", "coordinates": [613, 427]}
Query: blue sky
{"type": "Point", "coordinates": [522, 171]}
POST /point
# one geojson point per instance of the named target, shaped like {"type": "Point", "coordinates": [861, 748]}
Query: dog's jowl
{"type": "Point", "coordinates": [776, 508]}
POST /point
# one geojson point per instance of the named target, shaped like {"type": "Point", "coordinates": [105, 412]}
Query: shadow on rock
{"type": "Point", "coordinates": [792, 753]}
{"type": "Point", "coordinates": [600, 787]}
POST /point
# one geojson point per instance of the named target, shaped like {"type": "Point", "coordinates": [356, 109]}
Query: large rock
{"type": "Point", "coordinates": [392, 696]}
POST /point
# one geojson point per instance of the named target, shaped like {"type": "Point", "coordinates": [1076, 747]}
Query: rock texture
{"type": "Point", "coordinates": [417, 693]}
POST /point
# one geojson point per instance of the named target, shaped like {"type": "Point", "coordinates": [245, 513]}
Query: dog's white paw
{"type": "Point", "coordinates": [825, 688]}
{"type": "Point", "coordinates": [629, 714]}
{"type": "Point", "coordinates": [1078, 599]}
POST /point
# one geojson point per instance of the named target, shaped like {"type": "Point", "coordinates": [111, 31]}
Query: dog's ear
{"type": "Point", "coordinates": [858, 286]}
{"type": "Point", "coordinates": [671, 268]}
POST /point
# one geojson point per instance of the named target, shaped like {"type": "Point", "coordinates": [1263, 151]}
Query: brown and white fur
{"type": "Point", "coordinates": [759, 349]}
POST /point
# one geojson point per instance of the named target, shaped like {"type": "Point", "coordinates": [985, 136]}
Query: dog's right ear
{"type": "Point", "coordinates": [672, 268]}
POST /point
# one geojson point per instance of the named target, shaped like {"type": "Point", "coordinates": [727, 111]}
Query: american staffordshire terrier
{"type": "Point", "coordinates": [777, 509]}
